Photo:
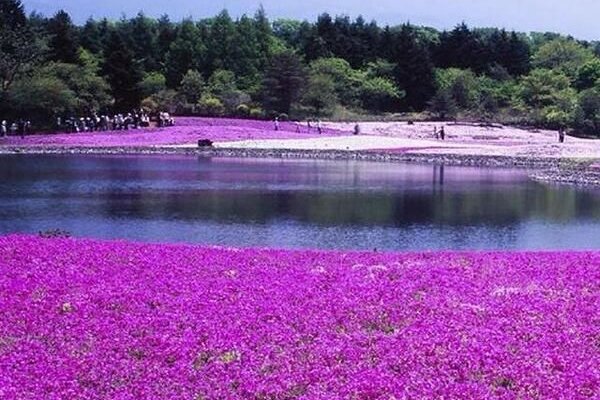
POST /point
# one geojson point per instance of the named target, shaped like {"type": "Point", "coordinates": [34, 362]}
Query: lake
{"type": "Point", "coordinates": [294, 203]}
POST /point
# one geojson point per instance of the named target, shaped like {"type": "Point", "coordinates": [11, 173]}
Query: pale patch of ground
{"type": "Point", "coordinates": [419, 138]}
{"type": "Point", "coordinates": [350, 143]}
{"type": "Point", "coordinates": [476, 140]}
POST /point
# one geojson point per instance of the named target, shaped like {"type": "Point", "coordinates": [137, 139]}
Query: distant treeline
{"type": "Point", "coordinates": [334, 67]}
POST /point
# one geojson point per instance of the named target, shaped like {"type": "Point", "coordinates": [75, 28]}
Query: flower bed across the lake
{"type": "Point", "coordinates": [186, 131]}
{"type": "Point", "coordinates": [85, 319]}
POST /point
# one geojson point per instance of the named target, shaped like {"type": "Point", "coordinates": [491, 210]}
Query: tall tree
{"type": "Point", "coordinates": [64, 42]}
{"type": "Point", "coordinates": [122, 73]}
{"type": "Point", "coordinates": [12, 14]}
{"type": "Point", "coordinates": [185, 53]}
{"type": "Point", "coordinates": [21, 49]}
{"type": "Point", "coordinates": [284, 79]}
{"type": "Point", "coordinates": [414, 69]}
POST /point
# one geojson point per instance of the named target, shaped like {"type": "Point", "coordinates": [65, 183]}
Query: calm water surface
{"type": "Point", "coordinates": [294, 204]}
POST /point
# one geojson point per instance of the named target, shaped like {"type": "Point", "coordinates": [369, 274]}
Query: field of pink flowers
{"type": "Point", "coordinates": [186, 131]}
{"type": "Point", "coordinates": [84, 319]}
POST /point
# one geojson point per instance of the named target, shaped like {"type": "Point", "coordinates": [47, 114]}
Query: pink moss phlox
{"type": "Point", "coordinates": [186, 131]}
{"type": "Point", "coordinates": [85, 319]}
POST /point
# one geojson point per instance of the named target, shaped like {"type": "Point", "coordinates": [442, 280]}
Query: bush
{"type": "Point", "coordinates": [256, 113]}
{"type": "Point", "coordinates": [209, 105]}
{"type": "Point", "coordinates": [284, 117]}
{"type": "Point", "coordinates": [243, 110]}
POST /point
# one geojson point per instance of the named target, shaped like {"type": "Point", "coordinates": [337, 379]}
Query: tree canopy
{"type": "Point", "coordinates": [251, 66]}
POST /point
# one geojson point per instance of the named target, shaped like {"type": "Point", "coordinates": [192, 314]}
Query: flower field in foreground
{"type": "Point", "coordinates": [186, 131]}
{"type": "Point", "coordinates": [84, 319]}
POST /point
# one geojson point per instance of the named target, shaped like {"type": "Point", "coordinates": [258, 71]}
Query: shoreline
{"type": "Point", "coordinates": [562, 170]}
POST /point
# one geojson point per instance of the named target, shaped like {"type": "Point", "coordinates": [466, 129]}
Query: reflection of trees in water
{"type": "Point", "coordinates": [498, 207]}
{"type": "Point", "coordinates": [94, 186]}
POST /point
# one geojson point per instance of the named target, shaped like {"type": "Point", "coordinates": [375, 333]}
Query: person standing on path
{"type": "Point", "coordinates": [319, 127]}
{"type": "Point", "coordinates": [442, 133]}
{"type": "Point", "coordinates": [276, 123]}
{"type": "Point", "coordinates": [561, 135]}
{"type": "Point", "coordinates": [4, 128]}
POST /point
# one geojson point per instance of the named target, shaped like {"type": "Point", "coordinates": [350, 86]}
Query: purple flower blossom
{"type": "Point", "coordinates": [186, 131]}
{"type": "Point", "coordinates": [85, 319]}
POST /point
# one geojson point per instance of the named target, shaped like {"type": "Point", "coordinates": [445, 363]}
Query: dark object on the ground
{"type": "Point", "coordinates": [205, 143]}
{"type": "Point", "coordinates": [411, 122]}
{"type": "Point", "coordinates": [54, 234]}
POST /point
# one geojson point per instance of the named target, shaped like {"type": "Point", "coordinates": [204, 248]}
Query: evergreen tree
{"type": "Point", "coordinates": [122, 73]}
{"type": "Point", "coordinates": [284, 80]}
{"type": "Point", "coordinates": [12, 14]}
{"type": "Point", "coordinates": [185, 53]}
{"type": "Point", "coordinates": [414, 69]}
{"type": "Point", "coordinates": [64, 42]}
{"type": "Point", "coordinates": [220, 49]}
{"type": "Point", "coordinates": [90, 36]}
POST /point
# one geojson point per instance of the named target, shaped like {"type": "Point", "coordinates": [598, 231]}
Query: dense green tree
{"type": "Point", "coordinates": [379, 94]}
{"type": "Point", "coordinates": [588, 74]}
{"type": "Point", "coordinates": [284, 80]}
{"type": "Point", "coordinates": [186, 52]}
{"type": "Point", "coordinates": [142, 38]}
{"type": "Point", "coordinates": [462, 48]}
{"type": "Point", "coordinates": [587, 113]}
{"type": "Point", "coordinates": [90, 36]}
{"type": "Point", "coordinates": [12, 15]}
{"type": "Point", "coordinates": [461, 85]}
{"type": "Point", "coordinates": [564, 55]}
{"type": "Point", "coordinates": [442, 104]}
{"type": "Point", "coordinates": [320, 94]}
{"type": "Point", "coordinates": [122, 73]}
{"type": "Point", "coordinates": [64, 43]}
{"type": "Point", "coordinates": [414, 71]}
{"type": "Point", "coordinates": [192, 86]}
{"type": "Point", "coordinates": [21, 48]}
{"type": "Point", "coordinates": [549, 96]}
{"type": "Point", "coordinates": [347, 81]}
{"type": "Point", "coordinates": [153, 83]}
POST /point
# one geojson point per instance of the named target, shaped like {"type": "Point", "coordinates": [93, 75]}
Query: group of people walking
{"type": "Point", "coordinates": [439, 134]}
{"type": "Point", "coordinates": [97, 123]}
{"type": "Point", "coordinates": [20, 127]}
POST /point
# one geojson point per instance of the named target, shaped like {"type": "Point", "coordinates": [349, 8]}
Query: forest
{"type": "Point", "coordinates": [335, 67]}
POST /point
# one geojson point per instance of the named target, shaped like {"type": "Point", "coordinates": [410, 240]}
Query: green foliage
{"type": "Point", "coordinates": [210, 105]}
{"type": "Point", "coordinates": [185, 53]}
{"type": "Point", "coordinates": [153, 83]}
{"type": "Point", "coordinates": [284, 80]}
{"type": "Point", "coordinates": [442, 104]}
{"type": "Point", "coordinates": [192, 86]}
{"type": "Point", "coordinates": [42, 97]}
{"type": "Point", "coordinates": [320, 94]}
{"type": "Point", "coordinates": [564, 55]}
{"type": "Point", "coordinates": [461, 85]}
{"type": "Point", "coordinates": [346, 81]}
{"type": "Point", "coordinates": [587, 113]}
{"type": "Point", "coordinates": [21, 48]}
{"type": "Point", "coordinates": [335, 66]}
{"type": "Point", "coordinates": [549, 96]}
{"type": "Point", "coordinates": [256, 113]}
{"type": "Point", "coordinates": [588, 74]}
{"type": "Point", "coordinates": [122, 73]}
{"type": "Point", "coordinates": [379, 94]}
{"type": "Point", "coordinates": [243, 110]}
{"type": "Point", "coordinates": [91, 91]}
{"type": "Point", "coordinates": [63, 42]}
{"type": "Point", "coordinates": [165, 100]}
{"type": "Point", "coordinates": [222, 85]}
